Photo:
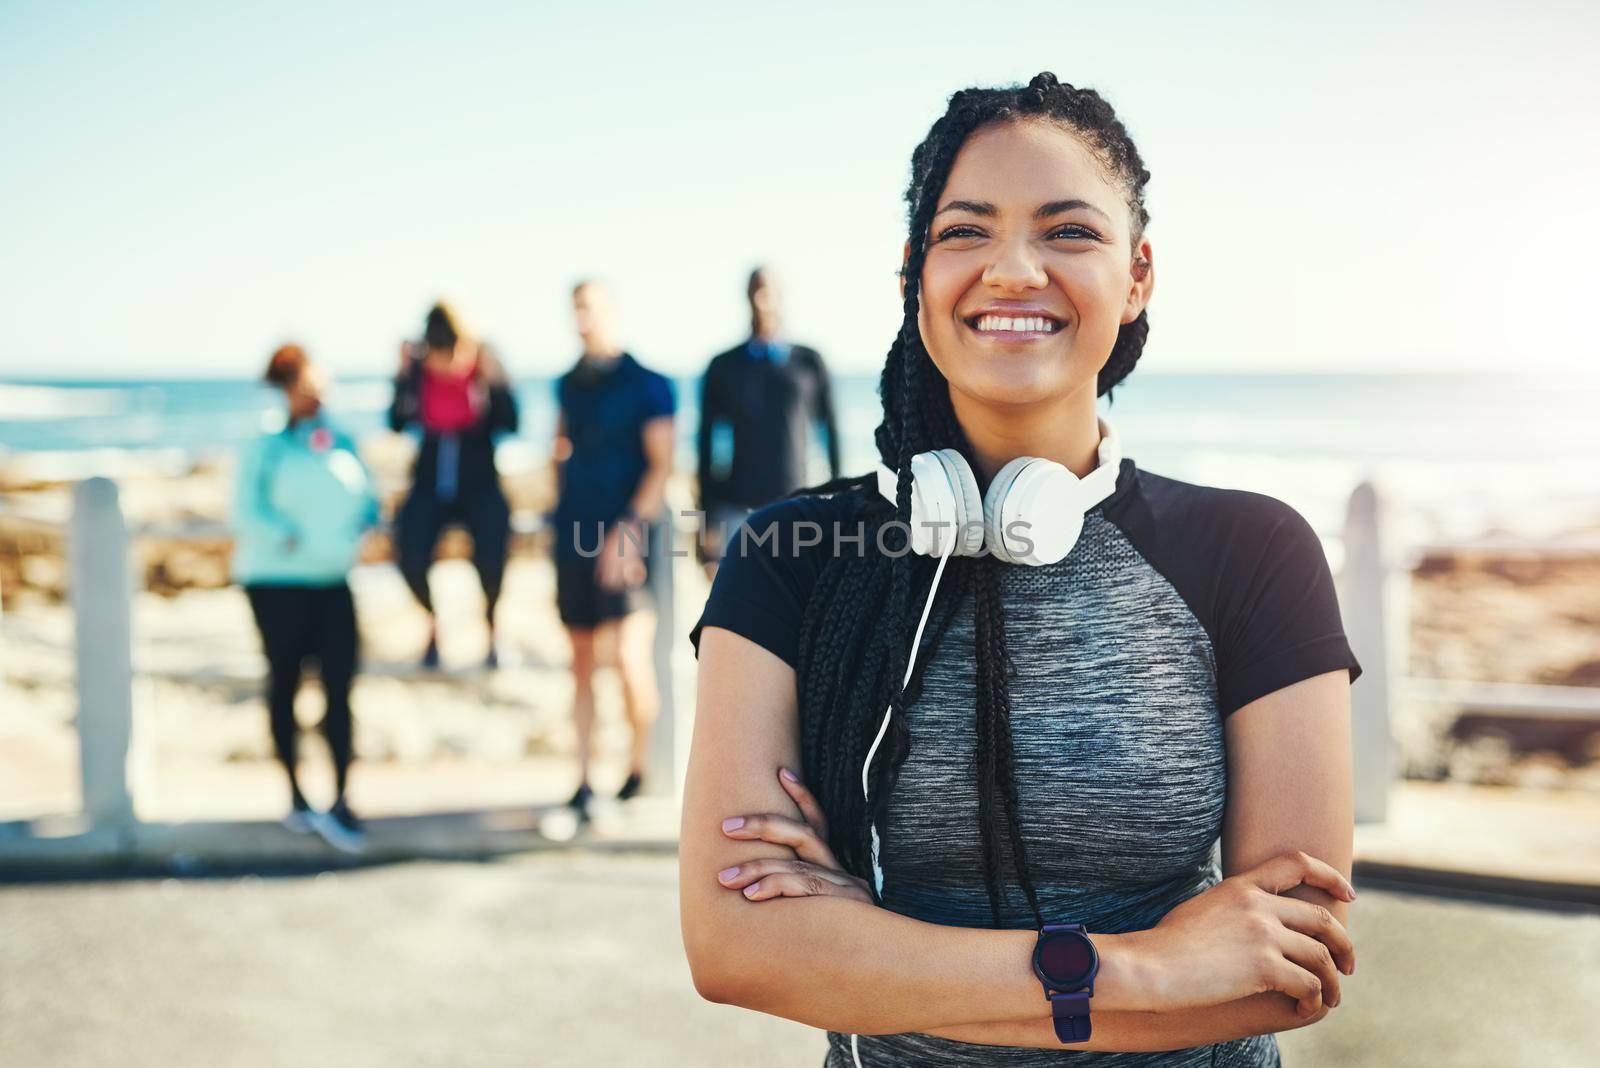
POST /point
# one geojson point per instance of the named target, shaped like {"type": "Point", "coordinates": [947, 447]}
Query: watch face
{"type": "Point", "coordinates": [1065, 958]}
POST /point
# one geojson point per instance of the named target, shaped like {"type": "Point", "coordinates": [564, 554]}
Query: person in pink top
{"type": "Point", "coordinates": [451, 388]}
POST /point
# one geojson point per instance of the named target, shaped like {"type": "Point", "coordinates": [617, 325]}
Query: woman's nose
{"type": "Point", "coordinates": [1016, 266]}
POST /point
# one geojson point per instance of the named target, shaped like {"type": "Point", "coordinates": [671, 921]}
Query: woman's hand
{"type": "Point", "coordinates": [1242, 937]}
{"type": "Point", "coordinates": [812, 872]}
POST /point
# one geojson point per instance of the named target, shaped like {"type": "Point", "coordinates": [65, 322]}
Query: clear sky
{"type": "Point", "coordinates": [1363, 187]}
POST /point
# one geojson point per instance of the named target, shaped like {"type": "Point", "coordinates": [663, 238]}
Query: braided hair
{"type": "Point", "coordinates": [857, 626]}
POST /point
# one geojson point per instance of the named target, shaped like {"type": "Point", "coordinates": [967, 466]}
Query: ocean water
{"type": "Point", "coordinates": [1455, 453]}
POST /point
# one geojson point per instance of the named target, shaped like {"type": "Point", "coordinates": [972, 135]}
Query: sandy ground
{"type": "Point", "coordinates": [201, 744]}
{"type": "Point", "coordinates": [576, 960]}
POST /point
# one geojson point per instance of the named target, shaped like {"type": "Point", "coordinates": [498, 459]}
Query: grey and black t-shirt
{"type": "Point", "coordinates": [1178, 605]}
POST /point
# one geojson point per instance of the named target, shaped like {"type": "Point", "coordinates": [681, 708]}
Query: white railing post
{"type": "Point", "coordinates": [661, 771]}
{"type": "Point", "coordinates": [102, 609]}
{"type": "Point", "coordinates": [1373, 609]}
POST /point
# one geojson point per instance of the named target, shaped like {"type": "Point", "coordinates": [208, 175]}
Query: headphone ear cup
{"type": "Point", "coordinates": [994, 519]}
{"type": "Point", "coordinates": [969, 530]}
{"type": "Point", "coordinates": [933, 504]}
{"type": "Point", "coordinates": [1046, 501]}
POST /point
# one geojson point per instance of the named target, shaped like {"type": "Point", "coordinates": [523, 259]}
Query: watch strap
{"type": "Point", "coordinates": [1070, 1012]}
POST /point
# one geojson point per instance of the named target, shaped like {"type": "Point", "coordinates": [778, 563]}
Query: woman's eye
{"type": "Point", "coordinates": [1074, 231]}
{"type": "Point", "coordinates": [957, 232]}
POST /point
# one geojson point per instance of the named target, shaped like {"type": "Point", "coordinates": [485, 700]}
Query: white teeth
{"type": "Point", "coordinates": [1032, 324]}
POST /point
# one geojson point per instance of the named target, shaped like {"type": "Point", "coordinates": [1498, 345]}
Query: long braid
{"type": "Point", "coordinates": [916, 369]}
{"type": "Point", "coordinates": [859, 620]}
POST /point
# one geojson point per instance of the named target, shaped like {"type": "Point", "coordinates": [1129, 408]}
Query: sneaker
{"type": "Point", "coordinates": [298, 820]}
{"type": "Point", "coordinates": [630, 786]}
{"type": "Point", "coordinates": [580, 801]}
{"type": "Point", "coordinates": [340, 829]}
{"type": "Point", "coordinates": [340, 810]}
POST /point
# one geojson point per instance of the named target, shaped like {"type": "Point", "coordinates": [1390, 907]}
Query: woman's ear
{"type": "Point", "coordinates": [1142, 275]}
{"type": "Point", "coordinates": [905, 258]}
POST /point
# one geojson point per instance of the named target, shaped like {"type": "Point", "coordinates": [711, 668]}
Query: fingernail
{"type": "Point", "coordinates": [787, 774]}
{"type": "Point", "coordinates": [751, 890]}
{"type": "Point", "coordinates": [727, 873]}
{"type": "Point", "coordinates": [733, 823]}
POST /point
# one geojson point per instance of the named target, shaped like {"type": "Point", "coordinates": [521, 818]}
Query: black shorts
{"type": "Point", "coordinates": [582, 603]}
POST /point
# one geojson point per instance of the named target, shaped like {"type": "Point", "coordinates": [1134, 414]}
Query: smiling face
{"type": "Point", "coordinates": [1031, 267]}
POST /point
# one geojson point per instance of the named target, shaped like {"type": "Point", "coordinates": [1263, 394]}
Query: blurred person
{"type": "Point", "coordinates": [758, 404]}
{"type": "Point", "coordinates": [454, 389]}
{"type": "Point", "coordinates": [1098, 795]}
{"type": "Point", "coordinates": [613, 453]}
{"type": "Point", "coordinates": [303, 501]}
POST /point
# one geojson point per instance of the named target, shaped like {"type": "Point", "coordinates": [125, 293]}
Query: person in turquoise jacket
{"type": "Point", "coordinates": [303, 501]}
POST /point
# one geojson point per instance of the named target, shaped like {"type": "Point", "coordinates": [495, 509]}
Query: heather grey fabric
{"type": "Point", "coordinates": [1120, 773]}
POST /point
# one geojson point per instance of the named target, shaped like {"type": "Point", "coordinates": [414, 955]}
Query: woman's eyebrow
{"type": "Point", "coordinates": [975, 207]}
{"type": "Point", "coordinates": [1044, 211]}
{"type": "Point", "coordinates": [1058, 207]}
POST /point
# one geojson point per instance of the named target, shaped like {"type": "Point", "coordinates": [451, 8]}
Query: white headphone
{"type": "Point", "coordinates": [1032, 515]}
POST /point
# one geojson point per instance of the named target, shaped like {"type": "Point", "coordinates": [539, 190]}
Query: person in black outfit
{"type": "Point", "coordinates": [455, 390]}
{"type": "Point", "coordinates": [758, 403]}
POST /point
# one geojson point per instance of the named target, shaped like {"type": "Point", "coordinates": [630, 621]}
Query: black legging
{"type": "Point", "coordinates": [297, 622]}
{"type": "Point", "coordinates": [423, 516]}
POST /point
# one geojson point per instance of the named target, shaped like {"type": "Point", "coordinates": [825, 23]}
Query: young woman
{"type": "Point", "coordinates": [453, 388]}
{"type": "Point", "coordinates": [303, 502]}
{"type": "Point", "coordinates": [1118, 671]}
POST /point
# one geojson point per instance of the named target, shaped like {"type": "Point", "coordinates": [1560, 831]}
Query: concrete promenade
{"type": "Point", "coordinates": [574, 958]}
{"type": "Point", "coordinates": [492, 936]}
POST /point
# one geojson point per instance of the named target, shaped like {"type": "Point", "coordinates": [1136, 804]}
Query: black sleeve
{"type": "Point", "coordinates": [403, 408]}
{"type": "Point", "coordinates": [502, 416]}
{"type": "Point", "coordinates": [502, 409]}
{"type": "Point", "coordinates": [770, 568]}
{"type": "Point", "coordinates": [824, 413]}
{"type": "Point", "coordinates": [1251, 570]}
{"type": "Point", "coordinates": [712, 408]}
{"type": "Point", "coordinates": [1278, 614]}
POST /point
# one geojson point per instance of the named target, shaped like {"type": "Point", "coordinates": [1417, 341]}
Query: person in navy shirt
{"type": "Point", "coordinates": [613, 453]}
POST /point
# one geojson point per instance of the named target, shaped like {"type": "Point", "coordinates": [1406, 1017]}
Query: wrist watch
{"type": "Point", "coordinates": [1066, 962]}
